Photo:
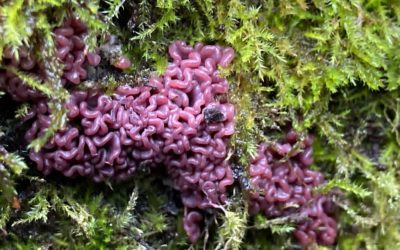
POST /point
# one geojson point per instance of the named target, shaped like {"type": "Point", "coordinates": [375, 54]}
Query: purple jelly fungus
{"type": "Point", "coordinates": [122, 63]}
{"type": "Point", "coordinates": [285, 187]}
{"type": "Point", "coordinates": [70, 52]}
{"type": "Point", "coordinates": [174, 121]}
{"type": "Point", "coordinates": [11, 83]}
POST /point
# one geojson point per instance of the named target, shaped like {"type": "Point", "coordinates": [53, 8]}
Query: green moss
{"type": "Point", "coordinates": [367, 157]}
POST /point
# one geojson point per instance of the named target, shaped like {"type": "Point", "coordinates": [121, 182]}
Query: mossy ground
{"type": "Point", "coordinates": [329, 67]}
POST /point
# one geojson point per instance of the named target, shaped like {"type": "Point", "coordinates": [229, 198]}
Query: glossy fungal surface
{"type": "Point", "coordinates": [283, 185]}
{"type": "Point", "coordinates": [174, 121]}
{"type": "Point", "coordinates": [71, 51]}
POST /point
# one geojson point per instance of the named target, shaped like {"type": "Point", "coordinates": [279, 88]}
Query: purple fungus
{"type": "Point", "coordinates": [176, 121]}
{"type": "Point", "coordinates": [282, 186]}
{"type": "Point", "coordinates": [122, 62]}
{"type": "Point", "coordinates": [93, 59]}
{"type": "Point", "coordinates": [11, 83]}
{"type": "Point", "coordinates": [71, 52]}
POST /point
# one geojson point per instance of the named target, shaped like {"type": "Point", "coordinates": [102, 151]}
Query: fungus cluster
{"type": "Point", "coordinates": [71, 52]}
{"type": "Point", "coordinates": [176, 120]}
{"type": "Point", "coordinates": [11, 83]}
{"type": "Point", "coordinates": [181, 121]}
{"type": "Point", "coordinates": [283, 185]}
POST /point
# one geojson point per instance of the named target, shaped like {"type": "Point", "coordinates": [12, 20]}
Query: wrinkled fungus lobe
{"type": "Point", "coordinates": [176, 121]}
{"type": "Point", "coordinates": [283, 185]}
{"type": "Point", "coordinates": [71, 51]}
{"type": "Point", "coordinates": [12, 84]}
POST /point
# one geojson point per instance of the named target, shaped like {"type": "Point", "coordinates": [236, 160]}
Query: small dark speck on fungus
{"type": "Point", "coordinates": [213, 115]}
